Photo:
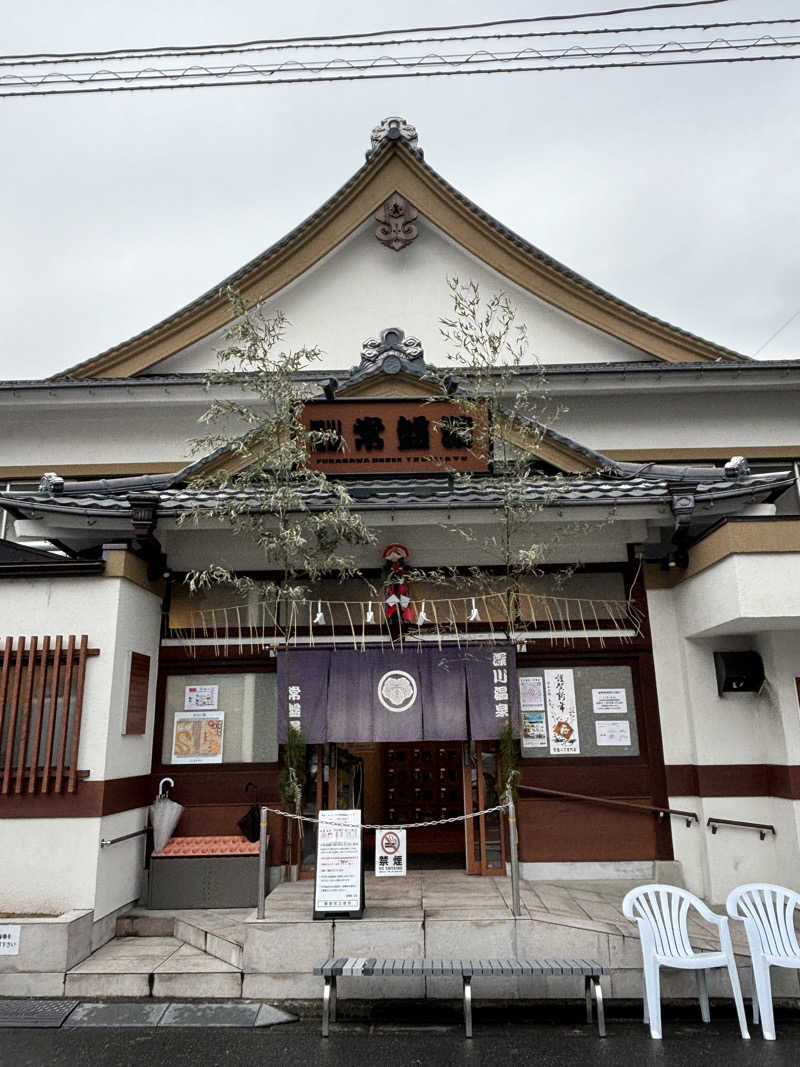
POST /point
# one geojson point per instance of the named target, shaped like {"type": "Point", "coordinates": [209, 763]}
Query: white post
{"type": "Point", "coordinates": [262, 864]}
{"type": "Point", "coordinates": [514, 846]}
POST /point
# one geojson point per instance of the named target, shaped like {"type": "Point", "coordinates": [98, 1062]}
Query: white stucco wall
{"type": "Point", "coordinates": [118, 617]}
{"type": "Point", "coordinates": [362, 288]}
{"type": "Point", "coordinates": [49, 865]}
{"type": "Point", "coordinates": [713, 864]}
{"type": "Point", "coordinates": [157, 425]}
{"type": "Point", "coordinates": [57, 864]}
{"type": "Point", "coordinates": [701, 728]}
{"type": "Point", "coordinates": [120, 867]}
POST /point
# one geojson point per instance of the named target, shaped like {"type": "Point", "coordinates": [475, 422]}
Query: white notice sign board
{"type": "Point", "coordinates": [390, 853]}
{"type": "Point", "coordinates": [201, 698]}
{"type": "Point", "coordinates": [609, 702]}
{"type": "Point", "coordinates": [613, 732]}
{"type": "Point", "coordinates": [338, 880]}
{"type": "Point", "coordinates": [9, 940]}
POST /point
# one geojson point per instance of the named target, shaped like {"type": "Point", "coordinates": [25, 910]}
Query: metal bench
{"type": "Point", "coordinates": [466, 970]}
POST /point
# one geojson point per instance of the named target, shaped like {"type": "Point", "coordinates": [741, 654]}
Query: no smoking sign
{"type": "Point", "coordinates": [390, 853]}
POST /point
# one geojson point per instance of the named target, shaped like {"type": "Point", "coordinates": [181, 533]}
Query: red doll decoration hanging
{"type": "Point", "coordinates": [397, 603]}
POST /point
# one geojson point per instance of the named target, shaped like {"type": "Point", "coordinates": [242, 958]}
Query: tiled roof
{"type": "Point", "coordinates": [650, 366]}
{"type": "Point", "coordinates": [435, 491]}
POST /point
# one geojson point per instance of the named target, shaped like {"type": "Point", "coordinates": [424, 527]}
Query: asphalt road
{"type": "Point", "coordinates": [401, 1041]}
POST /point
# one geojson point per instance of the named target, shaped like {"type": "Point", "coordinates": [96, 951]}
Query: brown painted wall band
{"type": "Point", "coordinates": [93, 799]}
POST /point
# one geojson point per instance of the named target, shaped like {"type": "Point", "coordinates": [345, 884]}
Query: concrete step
{"type": "Point", "coordinates": [153, 966]}
{"type": "Point", "coordinates": [218, 933]}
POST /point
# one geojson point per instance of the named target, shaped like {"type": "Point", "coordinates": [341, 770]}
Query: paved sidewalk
{"type": "Point", "coordinates": [52, 1014]}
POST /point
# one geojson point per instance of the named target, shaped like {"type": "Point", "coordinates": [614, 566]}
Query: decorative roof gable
{"type": "Point", "coordinates": [395, 183]}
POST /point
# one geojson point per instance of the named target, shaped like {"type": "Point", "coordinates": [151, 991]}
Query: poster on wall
{"type": "Point", "coordinates": [197, 737]}
{"type": "Point", "coordinates": [201, 698]}
{"type": "Point", "coordinates": [534, 730]}
{"type": "Point", "coordinates": [609, 702]}
{"type": "Point", "coordinates": [531, 693]}
{"type": "Point", "coordinates": [613, 732]}
{"type": "Point", "coordinates": [339, 885]}
{"type": "Point", "coordinates": [562, 712]}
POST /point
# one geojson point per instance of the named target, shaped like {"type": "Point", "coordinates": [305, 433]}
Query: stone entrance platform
{"type": "Point", "coordinates": [232, 954]}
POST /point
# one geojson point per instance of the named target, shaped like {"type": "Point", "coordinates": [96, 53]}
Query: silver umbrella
{"type": "Point", "coordinates": [164, 816]}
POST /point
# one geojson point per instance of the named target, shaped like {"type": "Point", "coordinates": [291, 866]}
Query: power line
{"type": "Point", "coordinates": [780, 329]}
{"type": "Point", "coordinates": [221, 50]}
{"type": "Point", "coordinates": [403, 74]}
{"type": "Point", "coordinates": [349, 37]}
{"type": "Point", "coordinates": [333, 65]}
{"type": "Point", "coordinates": [240, 71]}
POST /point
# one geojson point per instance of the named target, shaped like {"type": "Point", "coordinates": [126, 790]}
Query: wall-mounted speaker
{"type": "Point", "coordinates": [738, 672]}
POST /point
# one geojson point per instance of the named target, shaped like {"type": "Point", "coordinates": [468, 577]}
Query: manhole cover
{"type": "Point", "coordinates": [35, 1012]}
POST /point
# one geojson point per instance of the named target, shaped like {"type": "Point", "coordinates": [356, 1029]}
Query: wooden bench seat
{"type": "Point", "coordinates": [466, 970]}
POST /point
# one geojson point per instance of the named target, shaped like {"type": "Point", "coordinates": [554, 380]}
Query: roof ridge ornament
{"type": "Point", "coordinates": [394, 128]}
{"type": "Point", "coordinates": [391, 353]}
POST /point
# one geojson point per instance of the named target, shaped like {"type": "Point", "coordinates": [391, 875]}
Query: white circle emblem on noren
{"type": "Point", "coordinates": [397, 690]}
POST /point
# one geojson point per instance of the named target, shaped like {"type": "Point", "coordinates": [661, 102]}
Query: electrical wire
{"type": "Point", "coordinates": [780, 330]}
{"type": "Point", "coordinates": [221, 50]}
{"type": "Point", "coordinates": [42, 91]}
{"type": "Point", "coordinates": [379, 62]}
{"type": "Point", "coordinates": [237, 73]}
{"type": "Point", "coordinates": [349, 37]}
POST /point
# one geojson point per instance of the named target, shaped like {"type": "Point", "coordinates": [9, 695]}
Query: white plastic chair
{"type": "Point", "coordinates": [768, 914]}
{"type": "Point", "coordinates": [661, 913]}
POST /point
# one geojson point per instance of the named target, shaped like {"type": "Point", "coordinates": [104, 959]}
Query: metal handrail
{"type": "Point", "coordinates": [763, 828]}
{"type": "Point", "coordinates": [659, 812]}
{"type": "Point", "coordinates": [105, 842]}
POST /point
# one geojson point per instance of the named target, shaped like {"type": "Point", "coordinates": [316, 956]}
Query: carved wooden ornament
{"type": "Point", "coordinates": [395, 219]}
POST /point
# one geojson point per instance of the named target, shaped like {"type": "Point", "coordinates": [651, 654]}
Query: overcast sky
{"type": "Point", "coordinates": [676, 189]}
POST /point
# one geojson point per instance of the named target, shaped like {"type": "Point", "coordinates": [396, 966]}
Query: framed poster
{"type": "Point", "coordinates": [534, 730]}
{"type": "Point", "coordinates": [339, 881]}
{"type": "Point", "coordinates": [531, 692]}
{"type": "Point", "coordinates": [197, 737]}
{"type": "Point", "coordinates": [201, 698]}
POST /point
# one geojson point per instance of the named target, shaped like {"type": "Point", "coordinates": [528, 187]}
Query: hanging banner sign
{"type": "Point", "coordinates": [9, 940]}
{"type": "Point", "coordinates": [339, 886]}
{"type": "Point", "coordinates": [390, 853]}
{"type": "Point", "coordinates": [562, 713]}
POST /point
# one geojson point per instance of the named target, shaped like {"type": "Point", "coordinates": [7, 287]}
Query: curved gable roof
{"type": "Point", "coordinates": [397, 167]}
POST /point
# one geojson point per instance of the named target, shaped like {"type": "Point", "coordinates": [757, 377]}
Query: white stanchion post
{"type": "Point", "coordinates": [262, 864]}
{"type": "Point", "coordinates": [514, 846]}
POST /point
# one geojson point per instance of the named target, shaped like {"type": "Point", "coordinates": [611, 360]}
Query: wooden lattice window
{"type": "Point", "coordinates": [41, 702]}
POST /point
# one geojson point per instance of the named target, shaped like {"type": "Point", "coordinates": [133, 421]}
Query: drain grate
{"type": "Point", "coordinates": [50, 1013]}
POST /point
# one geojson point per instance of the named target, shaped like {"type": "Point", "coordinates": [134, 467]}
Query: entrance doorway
{"type": "Point", "coordinates": [421, 781]}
